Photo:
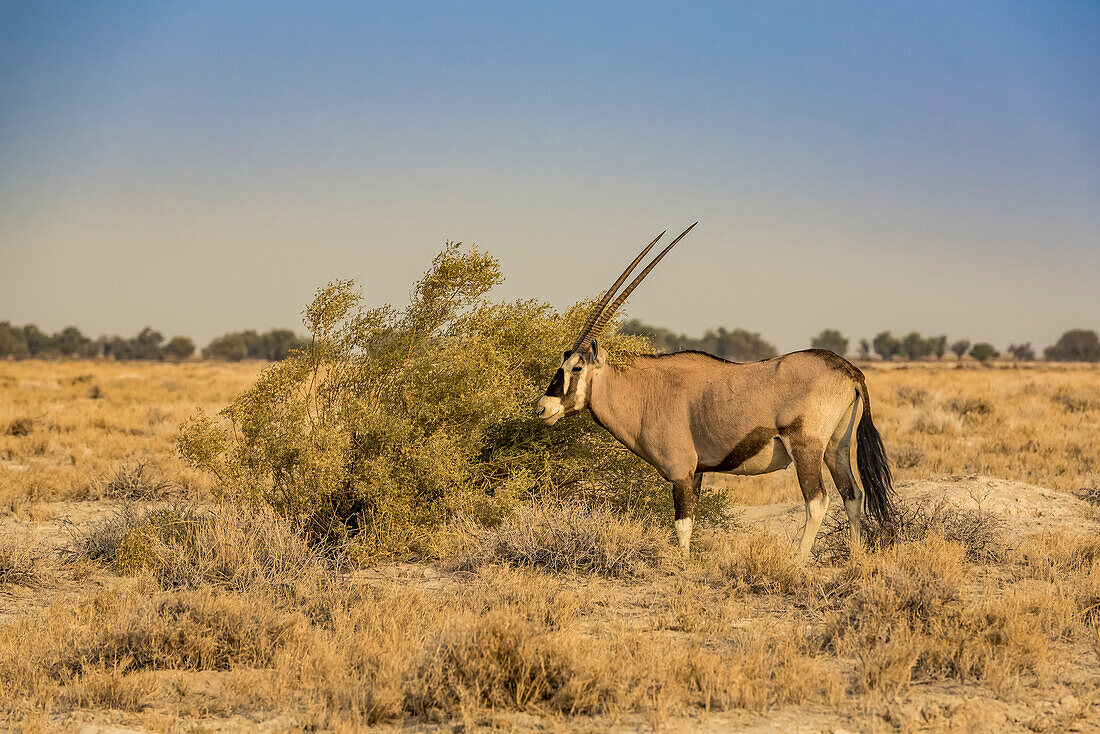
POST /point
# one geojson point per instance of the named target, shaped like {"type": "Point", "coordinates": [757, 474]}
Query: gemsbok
{"type": "Point", "coordinates": [690, 413]}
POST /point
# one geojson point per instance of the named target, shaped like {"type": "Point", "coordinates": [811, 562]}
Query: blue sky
{"type": "Point", "coordinates": [203, 167]}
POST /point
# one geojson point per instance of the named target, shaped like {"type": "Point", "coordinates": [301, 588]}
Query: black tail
{"type": "Point", "coordinates": [874, 470]}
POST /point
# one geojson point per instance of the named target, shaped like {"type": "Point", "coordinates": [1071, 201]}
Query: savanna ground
{"type": "Point", "coordinates": [981, 613]}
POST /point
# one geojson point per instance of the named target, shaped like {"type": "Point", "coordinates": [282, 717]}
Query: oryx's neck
{"type": "Point", "coordinates": [616, 404]}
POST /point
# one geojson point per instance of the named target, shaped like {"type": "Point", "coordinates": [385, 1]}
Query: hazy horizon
{"type": "Point", "coordinates": [202, 168]}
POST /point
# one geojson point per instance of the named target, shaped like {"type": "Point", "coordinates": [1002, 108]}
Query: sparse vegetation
{"type": "Point", "coordinates": [570, 611]}
{"type": "Point", "coordinates": [556, 536]}
{"type": "Point", "coordinates": [392, 422]}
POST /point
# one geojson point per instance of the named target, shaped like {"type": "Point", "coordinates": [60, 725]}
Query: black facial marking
{"type": "Point", "coordinates": [557, 385]}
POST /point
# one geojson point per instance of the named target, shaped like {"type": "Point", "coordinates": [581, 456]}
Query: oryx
{"type": "Point", "coordinates": [690, 413]}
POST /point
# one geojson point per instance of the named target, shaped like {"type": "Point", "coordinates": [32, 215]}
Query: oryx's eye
{"type": "Point", "coordinates": [578, 368]}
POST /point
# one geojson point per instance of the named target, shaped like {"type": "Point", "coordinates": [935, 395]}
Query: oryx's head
{"type": "Point", "coordinates": [569, 390]}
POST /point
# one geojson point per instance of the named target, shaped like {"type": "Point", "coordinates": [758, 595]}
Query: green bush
{"type": "Point", "coordinates": [390, 422]}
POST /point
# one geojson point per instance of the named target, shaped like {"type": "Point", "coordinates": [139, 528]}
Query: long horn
{"type": "Point", "coordinates": [610, 292]}
{"type": "Point", "coordinates": [610, 310]}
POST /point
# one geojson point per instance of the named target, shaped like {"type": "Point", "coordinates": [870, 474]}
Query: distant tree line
{"type": "Point", "coordinates": [30, 342]}
{"type": "Point", "coordinates": [1076, 345]}
{"type": "Point", "coordinates": [738, 345]}
{"type": "Point", "coordinates": [273, 345]}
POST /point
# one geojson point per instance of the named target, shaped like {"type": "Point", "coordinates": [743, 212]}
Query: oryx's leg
{"type": "Point", "coordinates": [684, 494]}
{"type": "Point", "coordinates": [808, 455]}
{"type": "Point", "coordinates": [840, 457]}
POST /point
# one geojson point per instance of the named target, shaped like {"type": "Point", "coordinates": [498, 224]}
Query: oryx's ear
{"type": "Point", "coordinates": [597, 356]}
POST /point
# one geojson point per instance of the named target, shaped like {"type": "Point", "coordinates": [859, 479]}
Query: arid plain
{"type": "Point", "coordinates": [982, 614]}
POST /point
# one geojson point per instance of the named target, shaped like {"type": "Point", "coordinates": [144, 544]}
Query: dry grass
{"type": "Point", "coordinates": [978, 532]}
{"type": "Point", "coordinates": [565, 617]}
{"type": "Point", "coordinates": [565, 537]}
{"type": "Point", "coordinates": [61, 442]}
{"type": "Point", "coordinates": [23, 563]}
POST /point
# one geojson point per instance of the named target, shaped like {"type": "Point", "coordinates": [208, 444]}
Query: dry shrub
{"type": "Point", "coordinates": [1075, 402]}
{"type": "Point", "coordinates": [20, 427]}
{"type": "Point", "coordinates": [909, 395]}
{"type": "Point", "coordinates": [977, 531]}
{"type": "Point", "coordinates": [1071, 567]}
{"type": "Point", "coordinates": [23, 563]}
{"type": "Point", "coordinates": [768, 667]}
{"type": "Point", "coordinates": [238, 549]}
{"type": "Point", "coordinates": [901, 614]}
{"type": "Point", "coordinates": [127, 538]}
{"type": "Point", "coordinates": [119, 631]}
{"type": "Point", "coordinates": [1091, 491]}
{"type": "Point", "coordinates": [969, 408]}
{"type": "Point", "coordinates": [754, 561]}
{"type": "Point", "coordinates": [229, 547]}
{"type": "Point", "coordinates": [937, 422]}
{"type": "Point", "coordinates": [132, 483]}
{"type": "Point", "coordinates": [110, 686]}
{"type": "Point", "coordinates": [350, 672]}
{"type": "Point", "coordinates": [504, 661]}
{"type": "Point", "coordinates": [566, 536]}
{"type": "Point", "coordinates": [907, 456]}
{"type": "Point", "coordinates": [499, 660]}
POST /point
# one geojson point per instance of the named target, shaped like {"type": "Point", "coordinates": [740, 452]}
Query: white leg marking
{"type": "Point", "coordinates": [683, 532]}
{"type": "Point", "coordinates": [815, 513]}
{"type": "Point", "coordinates": [854, 508]}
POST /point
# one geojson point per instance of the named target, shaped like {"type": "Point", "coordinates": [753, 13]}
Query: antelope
{"type": "Point", "coordinates": [691, 413]}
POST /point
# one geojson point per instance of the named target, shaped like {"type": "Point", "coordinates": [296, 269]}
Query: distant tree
{"type": "Point", "coordinates": [662, 339]}
{"type": "Point", "coordinates": [277, 343]}
{"type": "Point", "coordinates": [886, 346]}
{"type": "Point", "coordinates": [39, 343]}
{"type": "Point", "coordinates": [939, 345]}
{"type": "Point", "coordinates": [147, 344]}
{"type": "Point", "coordinates": [179, 347]}
{"type": "Point", "coordinates": [960, 347]}
{"type": "Point", "coordinates": [983, 352]}
{"type": "Point", "coordinates": [116, 347]}
{"type": "Point", "coordinates": [273, 345]}
{"type": "Point", "coordinates": [738, 345]}
{"type": "Point", "coordinates": [13, 342]}
{"type": "Point", "coordinates": [1076, 345]}
{"type": "Point", "coordinates": [230, 347]}
{"type": "Point", "coordinates": [864, 349]}
{"type": "Point", "coordinates": [71, 343]}
{"type": "Point", "coordinates": [916, 347]}
{"type": "Point", "coordinates": [1022, 352]}
{"type": "Point", "coordinates": [832, 340]}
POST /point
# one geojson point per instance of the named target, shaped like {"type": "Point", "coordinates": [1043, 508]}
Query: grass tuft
{"type": "Point", "coordinates": [978, 532]}
{"type": "Point", "coordinates": [133, 483]}
{"type": "Point", "coordinates": [566, 537]}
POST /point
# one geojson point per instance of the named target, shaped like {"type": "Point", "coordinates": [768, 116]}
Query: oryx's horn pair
{"type": "Point", "coordinates": [602, 313]}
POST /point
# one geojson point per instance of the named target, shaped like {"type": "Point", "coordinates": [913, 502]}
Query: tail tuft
{"type": "Point", "coordinates": [874, 470]}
